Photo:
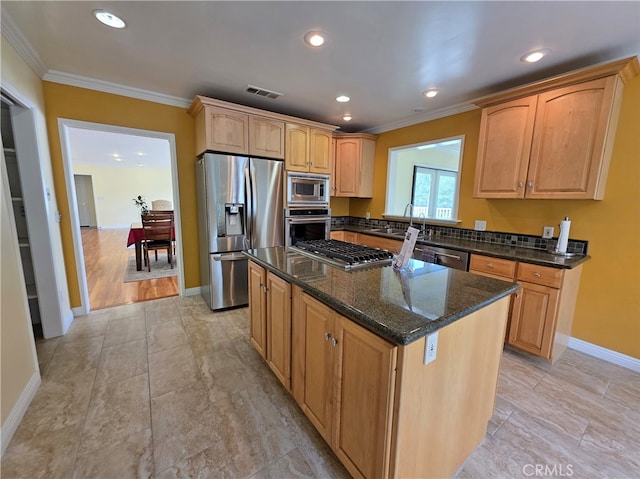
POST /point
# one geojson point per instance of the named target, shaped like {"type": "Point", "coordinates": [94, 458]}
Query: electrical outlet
{"type": "Point", "coordinates": [367, 215]}
{"type": "Point", "coordinates": [431, 348]}
{"type": "Point", "coordinates": [547, 232]}
{"type": "Point", "coordinates": [481, 225]}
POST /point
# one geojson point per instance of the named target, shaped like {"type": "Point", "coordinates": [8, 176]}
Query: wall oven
{"type": "Point", "coordinates": [307, 190]}
{"type": "Point", "coordinates": [303, 224]}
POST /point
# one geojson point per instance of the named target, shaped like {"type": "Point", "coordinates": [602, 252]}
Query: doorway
{"type": "Point", "coordinates": [111, 166]}
{"type": "Point", "coordinates": [86, 205]}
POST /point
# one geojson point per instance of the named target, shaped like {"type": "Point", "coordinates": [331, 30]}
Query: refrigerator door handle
{"type": "Point", "coordinates": [228, 257]}
{"type": "Point", "coordinates": [249, 195]}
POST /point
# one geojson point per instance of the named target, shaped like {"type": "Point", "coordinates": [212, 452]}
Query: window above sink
{"type": "Point", "coordinates": [427, 175]}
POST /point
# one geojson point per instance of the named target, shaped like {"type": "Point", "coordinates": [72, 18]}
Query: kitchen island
{"type": "Point", "coordinates": [351, 348]}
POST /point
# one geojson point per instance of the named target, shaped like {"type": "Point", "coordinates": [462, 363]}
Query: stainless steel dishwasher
{"type": "Point", "coordinates": [450, 258]}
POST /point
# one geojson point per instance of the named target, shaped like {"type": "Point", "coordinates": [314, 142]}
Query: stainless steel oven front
{"type": "Point", "coordinates": [306, 224]}
{"type": "Point", "coordinates": [307, 190]}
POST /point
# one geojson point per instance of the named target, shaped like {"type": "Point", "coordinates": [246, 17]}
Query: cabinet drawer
{"type": "Point", "coordinates": [540, 274]}
{"type": "Point", "coordinates": [494, 266]}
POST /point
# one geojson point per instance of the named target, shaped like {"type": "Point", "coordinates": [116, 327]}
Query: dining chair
{"type": "Point", "coordinates": [161, 205]}
{"type": "Point", "coordinates": [158, 235]}
{"type": "Point", "coordinates": [163, 212]}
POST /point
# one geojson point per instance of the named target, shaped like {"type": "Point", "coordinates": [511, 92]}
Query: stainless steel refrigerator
{"type": "Point", "coordinates": [240, 206]}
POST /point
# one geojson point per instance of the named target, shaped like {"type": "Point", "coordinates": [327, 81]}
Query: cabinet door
{"type": "Point", "coordinates": [348, 151]}
{"type": "Point", "coordinates": [366, 378]}
{"type": "Point", "coordinates": [279, 328]}
{"type": "Point", "coordinates": [296, 156]}
{"type": "Point", "coordinates": [318, 359]}
{"type": "Point", "coordinates": [257, 308]}
{"type": "Point", "coordinates": [337, 235]}
{"type": "Point", "coordinates": [227, 131]}
{"type": "Point", "coordinates": [266, 137]}
{"type": "Point", "coordinates": [320, 151]}
{"type": "Point", "coordinates": [568, 149]}
{"type": "Point", "coordinates": [332, 178]}
{"type": "Point", "coordinates": [506, 132]}
{"type": "Point", "coordinates": [533, 319]}
{"type": "Point", "coordinates": [393, 246]}
{"type": "Point", "coordinates": [351, 237]}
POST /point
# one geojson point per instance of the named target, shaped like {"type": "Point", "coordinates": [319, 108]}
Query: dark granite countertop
{"type": "Point", "coordinates": [526, 255]}
{"type": "Point", "coordinates": [400, 307]}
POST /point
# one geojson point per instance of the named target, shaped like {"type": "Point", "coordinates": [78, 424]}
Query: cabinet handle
{"type": "Point", "coordinates": [490, 265]}
{"type": "Point", "coordinates": [520, 184]}
{"type": "Point", "coordinates": [334, 341]}
{"type": "Point", "coordinates": [530, 184]}
{"type": "Point", "coordinates": [536, 274]}
{"type": "Point", "coordinates": [518, 295]}
{"type": "Point", "coordinates": [327, 336]}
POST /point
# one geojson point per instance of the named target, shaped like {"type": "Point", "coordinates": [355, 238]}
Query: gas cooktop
{"type": "Point", "coordinates": [343, 254]}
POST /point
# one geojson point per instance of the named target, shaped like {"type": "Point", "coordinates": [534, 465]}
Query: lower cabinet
{"type": "Point", "coordinates": [270, 320]}
{"type": "Point", "coordinates": [542, 311]}
{"type": "Point", "coordinates": [344, 384]}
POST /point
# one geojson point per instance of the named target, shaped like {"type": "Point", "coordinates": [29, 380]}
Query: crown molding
{"type": "Point", "coordinates": [426, 116]}
{"type": "Point", "coordinates": [18, 41]}
{"type": "Point", "coordinates": [72, 79]}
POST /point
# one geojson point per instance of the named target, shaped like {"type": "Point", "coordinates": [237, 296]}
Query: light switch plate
{"type": "Point", "coordinates": [367, 216]}
{"type": "Point", "coordinates": [481, 225]}
{"type": "Point", "coordinates": [547, 232]}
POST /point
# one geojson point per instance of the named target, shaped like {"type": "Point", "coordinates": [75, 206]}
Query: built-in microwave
{"type": "Point", "coordinates": [307, 189]}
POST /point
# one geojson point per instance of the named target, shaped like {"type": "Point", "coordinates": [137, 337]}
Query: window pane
{"type": "Point", "coordinates": [446, 196]}
{"type": "Point", "coordinates": [422, 189]}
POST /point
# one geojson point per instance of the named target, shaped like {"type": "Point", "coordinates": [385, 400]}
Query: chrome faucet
{"type": "Point", "coordinates": [410, 206]}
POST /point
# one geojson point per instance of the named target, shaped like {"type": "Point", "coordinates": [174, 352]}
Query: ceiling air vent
{"type": "Point", "coordinates": [256, 90]}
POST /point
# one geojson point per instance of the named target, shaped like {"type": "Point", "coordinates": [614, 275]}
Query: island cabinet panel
{"type": "Point", "coordinates": [365, 379]}
{"type": "Point", "coordinates": [258, 308]}
{"type": "Point", "coordinates": [279, 328]}
{"type": "Point", "coordinates": [314, 358]}
{"type": "Point", "coordinates": [266, 137]}
{"type": "Point", "coordinates": [442, 408]}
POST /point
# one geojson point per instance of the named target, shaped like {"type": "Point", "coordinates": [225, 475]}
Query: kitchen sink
{"type": "Point", "coordinates": [390, 231]}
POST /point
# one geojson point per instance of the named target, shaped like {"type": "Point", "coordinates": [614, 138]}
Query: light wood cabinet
{"type": "Point", "coordinates": [266, 137]}
{"type": "Point", "coordinates": [279, 328]}
{"type": "Point", "coordinates": [307, 149]}
{"type": "Point", "coordinates": [270, 320]}
{"type": "Point", "coordinates": [337, 235]}
{"type": "Point", "coordinates": [237, 129]}
{"type": "Point", "coordinates": [492, 267]}
{"type": "Point", "coordinates": [354, 164]}
{"type": "Point", "coordinates": [345, 386]}
{"type": "Point", "coordinates": [391, 245]}
{"type": "Point", "coordinates": [258, 308]}
{"type": "Point", "coordinates": [542, 311]}
{"type": "Point", "coordinates": [551, 140]}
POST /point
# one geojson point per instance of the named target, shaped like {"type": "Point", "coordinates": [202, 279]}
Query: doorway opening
{"type": "Point", "coordinates": [106, 169]}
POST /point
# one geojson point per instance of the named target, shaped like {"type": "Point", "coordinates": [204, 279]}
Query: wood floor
{"type": "Point", "coordinates": [105, 258]}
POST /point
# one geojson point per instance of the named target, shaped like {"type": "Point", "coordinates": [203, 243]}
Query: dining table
{"type": "Point", "coordinates": [136, 237]}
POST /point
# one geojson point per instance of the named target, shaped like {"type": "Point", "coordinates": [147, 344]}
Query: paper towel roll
{"type": "Point", "coordinates": [563, 237]}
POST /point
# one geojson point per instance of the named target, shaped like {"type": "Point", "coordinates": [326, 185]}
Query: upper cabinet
{"type": "Point", "coordinates": [355, 156]}
{"type": "Point", "coordinates": [241, 130]}
{"type": "Point", "coordinates": [308, 149]}
{"type": "Point", "coordinates": [551, 140]}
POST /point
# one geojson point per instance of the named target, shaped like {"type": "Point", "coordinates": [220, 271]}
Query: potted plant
{"type": "Point", "coordinates": [142, 204]}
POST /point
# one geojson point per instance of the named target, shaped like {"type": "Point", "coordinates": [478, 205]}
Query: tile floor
{"type": "Point", "coordinates": [168, 389]}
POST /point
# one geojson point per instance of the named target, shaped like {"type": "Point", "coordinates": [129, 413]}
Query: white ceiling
{"type": "Point", "coordinates": [117, 150]}
{"type": "Point", "coordinates": [382, 54]}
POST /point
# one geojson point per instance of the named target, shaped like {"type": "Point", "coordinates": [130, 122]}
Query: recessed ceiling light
{"type": "Point", "coordinates": [315, 39]}
{"type": "Point", "coordinates": [109, 19]}
{"type": "Point", "coordinates": [343, 99]}
{"type": "Point", "coordinates": [347, 118]}
{"type": "Point", "coordinates": [430, 93]}
{"type": "Point", "coordinates": [118, 159]}
{"type": "Point", "coordinates": [535, 56]}
{"type": "Point", "coordinates": [140, 153]}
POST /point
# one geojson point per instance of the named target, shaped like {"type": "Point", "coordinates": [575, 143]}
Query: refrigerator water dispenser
{"type": "Point", "coordinates": [233, 219]}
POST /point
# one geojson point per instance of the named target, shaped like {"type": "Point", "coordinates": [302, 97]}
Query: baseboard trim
{"type": "Point", "coordinates": [79, 311]}
{"type": "Point", "coordinates": [17, 413]}
{"type": "Point", "coordinates": [605, 354]}
{"type": "Point", "coordinates": [192, 291]}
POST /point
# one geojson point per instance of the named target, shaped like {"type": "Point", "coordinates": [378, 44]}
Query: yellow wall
{"type": "Point", "coordinates": [74, 103]}
{"type": "Point", "coordinates": [608, 309]}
